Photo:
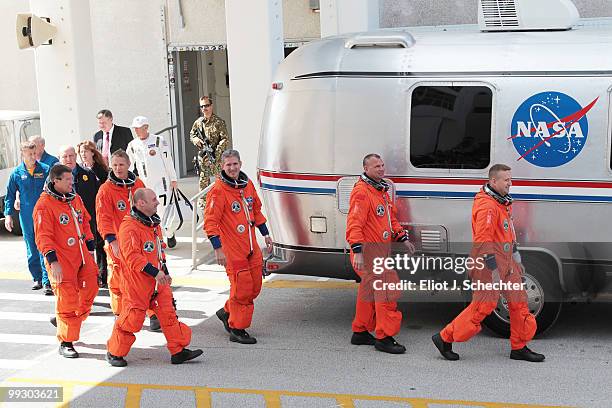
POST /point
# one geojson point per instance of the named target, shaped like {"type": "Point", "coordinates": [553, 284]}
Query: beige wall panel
{"type": "Point", "coordinates": [130, 60]}
{"type": "Point", "coordinates": [299, 21]}
{"type": "Point", "coordinates": [204, 22]}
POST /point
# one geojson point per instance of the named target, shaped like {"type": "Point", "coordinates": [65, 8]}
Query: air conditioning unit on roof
{"type": "Point", "coordinates": [526, 15]}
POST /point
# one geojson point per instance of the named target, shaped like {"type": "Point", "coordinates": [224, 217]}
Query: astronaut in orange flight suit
{"type": "Point", "coordinates": [146, 284]}
{"type": "Point", "coordinates": [113, 202]}
{"type": "Point", "coordinates": [232, 212]}
{"type": "Point", "coordinates": [63, 235]}
{"type": "Point", "coordinates": [371, 226]}
{"type": "Point", "coordinates": [494, 240]}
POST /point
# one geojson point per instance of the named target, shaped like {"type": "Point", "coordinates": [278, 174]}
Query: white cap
{"type": "Point", "coordinates": [139, 121]}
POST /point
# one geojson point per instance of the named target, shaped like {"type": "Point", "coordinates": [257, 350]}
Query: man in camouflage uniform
{"type": "Point", "coordinates": [211, 129]}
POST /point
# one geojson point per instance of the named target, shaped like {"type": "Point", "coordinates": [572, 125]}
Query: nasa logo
{"type": "Point", "coordinates": [121, 205]}
{"type": "Point", "coordinates": [235, 206]}
{"type": "Point", "coordinates": [549, 129]}
{"type": "Point", "coordinates": [380, 210]}
{"type": "Point", "coordinates": [63, 219]}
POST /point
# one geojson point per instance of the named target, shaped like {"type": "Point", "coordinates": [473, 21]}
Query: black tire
{"type": "Point", "coordinates": [541, 276]}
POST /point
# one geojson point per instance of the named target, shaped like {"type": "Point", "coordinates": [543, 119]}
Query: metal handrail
{"type": "Point", "coordinates": [195, 227]}
{"type": "Point", "coordinates": [166, 129]}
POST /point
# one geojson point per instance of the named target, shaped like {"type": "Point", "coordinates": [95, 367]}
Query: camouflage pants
{"type": "Point", "coordinates": [206, 172]}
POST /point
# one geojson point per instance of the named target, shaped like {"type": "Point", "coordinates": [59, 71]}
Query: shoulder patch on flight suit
{"type": "Point", "coordinates": [236, 206]}
{"type": "Point", "coordinates": [506, 225]}
{"type": "Point", "coordinates": [380, 210]}
{"type": "Point", "coordinates": [148, 246]}
{"type": "Point", "coordinates": [64, 219]}
{"type": "Point", "coordinates": [121, 205]}
{"type": "Point", "coordinates": [240, 228]}
{"type": "Point", "coordinates": [249, 201]}
{"type": "Point", "coordinates": [71, 241]}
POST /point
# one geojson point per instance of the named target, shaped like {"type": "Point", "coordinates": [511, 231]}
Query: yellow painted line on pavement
{"type": "Point", "coordinates": [271, 397]}
{"type": "Point", "coordinates": [11, 275]}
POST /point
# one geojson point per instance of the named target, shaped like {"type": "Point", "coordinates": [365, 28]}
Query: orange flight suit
{"type": "Point", "coordinates": [493, 235]}
{"type": "Point", "coordinates": [371, 226]}
{"type": "Point", "coordinates": [113, 202]}
{"type": "Point", "coordinates": [230, 217]}
{"type": "Point", "coordinates": [141, 254]}
{"type": "Point", "coordinates": [59, 239]}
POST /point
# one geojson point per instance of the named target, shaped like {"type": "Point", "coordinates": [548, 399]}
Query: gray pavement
{"type": "Point", "coordinates": [303, 357]}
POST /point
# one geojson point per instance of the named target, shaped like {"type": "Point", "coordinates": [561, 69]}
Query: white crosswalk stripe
{"type": "Point", "coordinates": [25, 330]}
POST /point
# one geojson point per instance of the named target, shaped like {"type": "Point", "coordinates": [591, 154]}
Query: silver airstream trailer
{"type": "Point", "coordinates": [441, 105]}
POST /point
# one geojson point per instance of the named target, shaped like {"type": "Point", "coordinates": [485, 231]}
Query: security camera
{"type": "Point", "coordinates": [33, 31]}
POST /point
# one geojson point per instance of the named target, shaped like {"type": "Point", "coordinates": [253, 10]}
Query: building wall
{"type": "Point", "coordinates": [130, 60]}
{"type": "Point", "coordinates": [17, 70]}
{"type": "Point", "coordinates": [205, 22]}
{"type": "Point", "coordinates": [299, 21]}
{"type": "Point", "coordinates": [406, 13]}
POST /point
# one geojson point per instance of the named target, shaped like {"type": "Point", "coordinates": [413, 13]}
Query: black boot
{"type": "Point", "coordinates": [389, 345]}
{"type": "Point", "coordinates": [37, 285]}
{"type": "Point", "coordinates": [53, 320]}
{"type": "Point", "coordinates": [241, 336]}
{"type": "Point", "coordinates": [67, 350]}
{"type": "Point", "coordinates": [224, 317]}
{"type": "Point", "coordinates": [526, 355]}
{"type": "Point", "coordinates": [446, 349]}
{"type": "Point", "coordinates": [185, 355]}
{"type": "Point", "coordinates": [115, 361]}
{"type": "Point", "coordinates": [171, 241]}
{"type": "Point", "coordinates": [48, 291]}
{"type": "Point", "coordinates": [154, 325]}
{"type": "Point", "coordinates": [102, 283]}
{"type": "Point", "coordinates": [362, 338]}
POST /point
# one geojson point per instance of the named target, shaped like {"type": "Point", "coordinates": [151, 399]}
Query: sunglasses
{"type": "Point", "coordinates": [206, 106]}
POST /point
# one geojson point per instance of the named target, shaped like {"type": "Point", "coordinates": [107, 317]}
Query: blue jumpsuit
{"type": "Point", "coordinates": [30, 187]}
{"type": "Point", "coordinates": [48, 159]}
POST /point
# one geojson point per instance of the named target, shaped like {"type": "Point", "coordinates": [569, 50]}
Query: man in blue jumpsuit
{"type": "Point", "coordinates": [41, 154]}
{"type": "Point", "coordinates": [28, 179]}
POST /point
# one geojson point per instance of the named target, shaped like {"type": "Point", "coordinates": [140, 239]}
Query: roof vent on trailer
{"type": "Point", "coordinates": [525, 15]}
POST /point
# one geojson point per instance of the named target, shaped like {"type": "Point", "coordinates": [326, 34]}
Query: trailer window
{"type": "Point", "coordinates": [8, 149]}
{"type": "Point", "coordinates": [450, 127]}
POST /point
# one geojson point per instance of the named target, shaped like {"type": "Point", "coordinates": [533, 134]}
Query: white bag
{"type": "Point", "coordinates": [171, 218]}
{"type": "Point", "coordinates": [177, 211]}
{"type": "Point", "coordinates": [185, 207]}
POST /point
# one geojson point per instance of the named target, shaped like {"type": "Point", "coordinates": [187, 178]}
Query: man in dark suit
{"type": "Point", "coordinates": [110, 137]}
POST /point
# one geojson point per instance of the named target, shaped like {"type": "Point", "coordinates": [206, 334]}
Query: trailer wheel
{"type": "Point", "coordinates": [543, 296]}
